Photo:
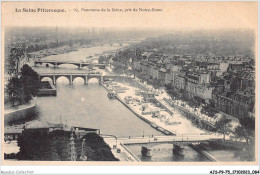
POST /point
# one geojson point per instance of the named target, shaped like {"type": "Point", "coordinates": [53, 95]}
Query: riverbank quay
{"type": "Point", "coordinates": [157, 116]}
{"type": "Point", "coordinates": [20, 112]}
{"type": "Point", "coordinates": [19, 108]}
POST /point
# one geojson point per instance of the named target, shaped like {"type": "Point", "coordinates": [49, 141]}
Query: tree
{"type": "Point", "coordinates": [43, 145]}
{"type": "Point", "coordinates": [246, 130]}
{"type": "Point", "coordinates": [14, 58]}
{"type": "Point", "coordinates": [96, 149]}
{"type": "Point", "coordinates": [33, 146]}
{"type": "Point", "coordinates": [29, 82]}
{"type": "Point", "coordinates": [24, 88]}
{"type": "Point", "coordinates": [222, 126]}
{"type": "Point", "coordinates": [12, 89]}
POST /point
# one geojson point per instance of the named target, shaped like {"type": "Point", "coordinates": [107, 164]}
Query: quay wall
{"type": "Point", "coordinates": [130, 152]}
{"type": "Point", "coordinates": [204, 153]}
{"type": "Point", "coordinates": [19, 113]}
{"type": "Point", "coordinates": [47, 92]}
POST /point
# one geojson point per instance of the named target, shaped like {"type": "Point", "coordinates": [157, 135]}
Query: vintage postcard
{"type": "Point", "coordinates": [129, 83]}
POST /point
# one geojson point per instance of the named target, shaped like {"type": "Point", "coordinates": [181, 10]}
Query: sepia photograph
{"type": "Point", "coordinates": [129, 83]}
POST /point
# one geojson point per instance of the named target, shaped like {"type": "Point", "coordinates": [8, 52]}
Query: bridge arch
{"type": "Point", "coordinates": [79, 80]}
{"type": "Point", "coordinates": [62, 79]}
{"type": "Point", "coordinates": [67, 65]}
{"type": "Point", "coordinates": [44, 63]}
{"type": "Point", "coordinates": [94, 79]}
{"type": "Point", "coordinates": [70, 77]}
{"type": "Point", "coordinates": [50, 79]}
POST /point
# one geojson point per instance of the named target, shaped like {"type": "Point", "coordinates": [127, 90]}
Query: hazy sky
{"type": "Point", "coordinates": [176, 15]}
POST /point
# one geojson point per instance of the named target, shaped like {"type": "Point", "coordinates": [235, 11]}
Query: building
{"type": "Point", "coordinates": [12, 133]}
{"type": "Point", "coordinates": [162, 73]}
{"type": "Point", "coordinates": [238, 104]}
{"type": "Point", "coordinates": [198, 85]}
{"type": "Point", "coordinates": [236, 67]}
{"type": "Point", "coordinates": [168, 78]}
{"type": "Point", "coordinates": [179, 81]}
{"type": "Point", "coordinates": [236, 96]}
{"type": "Point", "coordinates": [144, 68]}
{"type": "Point", "coordinates": [137, 65]}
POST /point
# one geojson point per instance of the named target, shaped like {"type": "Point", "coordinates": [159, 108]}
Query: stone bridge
{"type": "Point", "coordinates": [178, 142]}
{"type": "Point", "coordinates": [79, 64]}
{"type": "Point", "coordinates": [182, 140]}
{"type": "Point", "coordinates": [71, 76]}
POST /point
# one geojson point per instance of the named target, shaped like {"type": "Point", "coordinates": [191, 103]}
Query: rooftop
{"type": "Point", "coordinates": [38, 124]}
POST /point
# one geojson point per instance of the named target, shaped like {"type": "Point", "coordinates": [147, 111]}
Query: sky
{"type": "Point", "coordinates": [174, 15]}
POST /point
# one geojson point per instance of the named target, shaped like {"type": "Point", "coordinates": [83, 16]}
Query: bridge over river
{"type": "Point", "coordinates": [71, 76]}
{"type": "Point", "coordinates": [155, 140]}
{"type": "Point", "coordinates": [79, 64]}
{"type": "Point", "coordinates": [147, 143]}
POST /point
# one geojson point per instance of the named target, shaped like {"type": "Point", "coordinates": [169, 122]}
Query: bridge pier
{"type": "Point", "coordinates": [71, 81]}
{"type": "Point", "coordinates": [86, 80]}
{"type": "Point", "coordinates": [80, 66]}
{"type": "Point", "coordinates": [178, 149]}
{"type": "Point", "coordinates": [54, 80]}
{"type": "Point", "coordinates": [101, 78]}
{"type": "Point", "coordinates": [146, 151]}
{"type": "Point", "coordinates": [55, 65]}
